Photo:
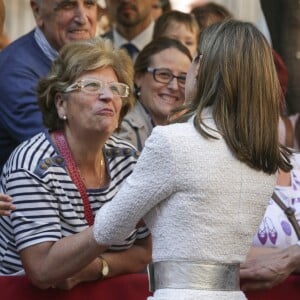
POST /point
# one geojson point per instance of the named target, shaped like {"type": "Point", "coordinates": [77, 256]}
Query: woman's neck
{"type": "Point", "coordinates": [160, 121]}
{"type": "Point", "coordinates": [88, 155]}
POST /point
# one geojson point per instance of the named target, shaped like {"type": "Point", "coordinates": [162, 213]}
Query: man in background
{"type": "Point", "coordinates": [132, 24]}
{"type": "Point", "coordinates": [29, 58]}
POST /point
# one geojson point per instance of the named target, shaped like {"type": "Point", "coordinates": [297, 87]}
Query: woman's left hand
{"type": "Point", "coordinates": [6, 205]}
{"type": "Point", "coordinates": [267, 270]}
{"type": "Point", "coordinates": [89, 273]}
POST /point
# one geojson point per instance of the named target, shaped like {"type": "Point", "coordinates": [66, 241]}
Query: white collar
{"type": "Point", "coordinates": [43, 43]}
{"type": "Point", "coordinates": [140, 41]}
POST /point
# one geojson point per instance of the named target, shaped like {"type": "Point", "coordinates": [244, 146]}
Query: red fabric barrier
{"type": "Point", "coordinates": [289, 290]}
{"type": "Point", "coordinates": [125, 287]}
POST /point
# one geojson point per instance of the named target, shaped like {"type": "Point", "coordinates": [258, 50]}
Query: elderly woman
{"type": "Point", "coordinates": [201, 186]}
{"type": "Point", "coordinates": [160, 73]}
{"type": "Point", "coordinates": [59, 178]}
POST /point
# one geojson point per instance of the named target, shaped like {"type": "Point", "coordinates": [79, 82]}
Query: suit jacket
{"type": "Point", "coordinates": [22, 64]}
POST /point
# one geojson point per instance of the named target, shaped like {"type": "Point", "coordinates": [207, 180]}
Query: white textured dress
{"type": "Point", "coordinates": [199, 202]}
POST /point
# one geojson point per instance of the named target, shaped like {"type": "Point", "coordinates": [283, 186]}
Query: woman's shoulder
{"type": "Point", "coordinates": [116, 142]}
{"type": "Point", "coordinates": [175, 129]}
{"type": "Point", "coordinates": [174, 135]}
{"type": "Point", "coordinates": [34, 143]}
{"type": "Point", "coordinates": [30, 154]}
{"type": "Point", "coordinates": [183, 131]}
{"type": "Point", "coordinates": [116, 146]}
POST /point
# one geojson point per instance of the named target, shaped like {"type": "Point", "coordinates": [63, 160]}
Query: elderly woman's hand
{"type": "Point", "coordinates": [5, 205]}
{"type": "Point", "coordinates": [90, 273]}
{"type": "Point", "coordinates": [269, 269]}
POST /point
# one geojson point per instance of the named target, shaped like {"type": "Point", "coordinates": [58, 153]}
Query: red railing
{"type": "Point", "coordinates": [126, 287]}
{"type": "Point", "coordinates": [288, 290]}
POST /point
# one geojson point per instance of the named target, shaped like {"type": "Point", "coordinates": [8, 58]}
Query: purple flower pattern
{"type": "Point", "coordinates": [275, 223]}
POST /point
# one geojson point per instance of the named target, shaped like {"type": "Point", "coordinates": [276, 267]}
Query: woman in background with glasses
{"type": "Point", "coordinates": [59, 178]}
{"type": "Point", "coordinates": [160, 73]}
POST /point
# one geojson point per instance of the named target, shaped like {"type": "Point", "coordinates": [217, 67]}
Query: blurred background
{"type": "Point", "coordinates": [19, 19]}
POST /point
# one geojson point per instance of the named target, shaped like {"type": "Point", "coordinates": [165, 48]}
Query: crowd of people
{"type": "Point", "coordinates": [147, 145]}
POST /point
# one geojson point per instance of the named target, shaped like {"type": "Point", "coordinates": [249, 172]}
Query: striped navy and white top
{"type": "Point", "coordinates": [49, 206]}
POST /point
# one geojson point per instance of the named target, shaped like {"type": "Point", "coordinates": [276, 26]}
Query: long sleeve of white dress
{"type": "Point", "coordinates": [150, 183]}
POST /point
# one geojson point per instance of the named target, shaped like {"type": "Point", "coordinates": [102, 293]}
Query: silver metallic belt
{"type": "Point", "coordinates": [194, 275]}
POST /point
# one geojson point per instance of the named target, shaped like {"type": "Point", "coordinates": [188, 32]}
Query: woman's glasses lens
{"type": "Point", "coordinates": [96, 86]}
{"type": "Point", "coordinates": [166, 76]}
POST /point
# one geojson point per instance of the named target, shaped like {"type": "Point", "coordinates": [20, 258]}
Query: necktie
{"type": "Point", "coordinates": [131, 49]}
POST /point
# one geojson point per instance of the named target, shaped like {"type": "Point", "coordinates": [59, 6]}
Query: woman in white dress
{"type": "Point", "coordinates": [202, 186]}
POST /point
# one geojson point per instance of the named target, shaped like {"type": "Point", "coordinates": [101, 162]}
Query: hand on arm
{"type": "Point", "coordinates": [267, 267]}
{"type": "Point", "coordinates": [133, 260]}
{"type": "Point", "coordinates": [51, 263]}
{"type": "Point", "coordinates": [74, 259]}
{"type": "Point", "coordinates": [91, 272]}
{"type": "Point", "coordinates": [6, 205]}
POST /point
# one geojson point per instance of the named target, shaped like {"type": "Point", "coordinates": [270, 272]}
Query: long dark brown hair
{"type": "Point", "coordinates": [238, 80]}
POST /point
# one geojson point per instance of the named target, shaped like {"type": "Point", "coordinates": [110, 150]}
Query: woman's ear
{"type": "Point", "coordinates": [60, 104]}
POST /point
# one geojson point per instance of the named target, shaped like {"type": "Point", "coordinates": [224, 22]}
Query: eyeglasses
{"type": "Point", "coordinates": [94, 86]}
{"type": "Point", "coordinates": [163, 75]}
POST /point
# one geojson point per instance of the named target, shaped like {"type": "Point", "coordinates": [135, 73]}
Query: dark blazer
{"type": "Point", "coordinates": [22, 64]}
